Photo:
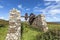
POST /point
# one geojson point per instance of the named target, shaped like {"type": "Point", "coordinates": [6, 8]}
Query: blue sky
{"type": "Point", "coordinates": [50, 8]}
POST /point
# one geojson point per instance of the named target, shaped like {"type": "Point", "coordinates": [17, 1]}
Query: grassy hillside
{"type": "Point", "coordinates": [3, 32]}
{"type": "Point", "coordinates": [4, 22]}
{"type": "Point", "coordinates": [29, 33]}
{"type": "Point", "coordinates": [3, 29]}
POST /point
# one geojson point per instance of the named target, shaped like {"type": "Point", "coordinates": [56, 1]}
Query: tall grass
{"type": "Point", "coordinates": [3, 32]}
{"type": "Point", "coordinates": [30, 33]}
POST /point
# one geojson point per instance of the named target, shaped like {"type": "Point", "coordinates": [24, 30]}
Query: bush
{"type": "Point", "coordinates": [1, 25]}
{"type": "Point", "coordinates": [50, 35]}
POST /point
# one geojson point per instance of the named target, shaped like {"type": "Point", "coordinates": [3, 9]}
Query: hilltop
{"type": "Point", "coordinates": [5, 22]}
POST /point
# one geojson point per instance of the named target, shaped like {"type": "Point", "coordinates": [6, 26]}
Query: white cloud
{"type": "Point", "coordinates": [48, 19]}
{"type": "Point", "coordinates": [56, 19]}
{"type": "Point", "coordinates": [7, 19]}
{"type": "Point", "coordinates": [28, 9]}
{"type": "Point", "coordinates": [20, 6]}
{"type": "Point", "coordinates": [4, 18]}
{"type": "Point", "coordinates": [51, 10]}
{"type": "Point", "coordinates": [52, 19]}
{"type": "Point", "coordinates": [52, 0]}
{"type": "Point", "coordinates": [37, 9]}
{"type": "Point", "coordinates": [1, 17]}
{"type": "Point", "coordinates": [47, 3]}
{"type": "Point", "coordinates": [1, 6]}
{"type": "Point", "coordinates": [54, 11]}
{"type": "Point", "coordinates": [22, 19]}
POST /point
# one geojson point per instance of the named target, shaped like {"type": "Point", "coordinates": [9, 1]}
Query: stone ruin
{"type": "Point", "coordinates": [14, 32]}
{"type": "Point", "coordinates": [40, 23]}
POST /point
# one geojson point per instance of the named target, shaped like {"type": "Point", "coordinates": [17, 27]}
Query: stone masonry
{"type": "Point", "coordinates": [14, 32]}
{"type": "Point", "coordinates": [40, 23]}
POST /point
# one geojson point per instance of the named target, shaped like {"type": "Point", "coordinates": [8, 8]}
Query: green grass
{"type": "Point", "coordinates": [54, 26]}
{"type": "Point", "coordinates": [3, 32]}
{"type": "Point", "coordinates": [30, 33]}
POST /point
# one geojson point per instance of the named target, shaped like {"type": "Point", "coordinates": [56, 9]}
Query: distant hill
{"type": "Point", "coordinates": [53, 22]}
{"type": "Point", "coordinates": [5, 22]}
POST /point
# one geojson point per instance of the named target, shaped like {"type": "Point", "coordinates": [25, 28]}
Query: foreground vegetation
{"type": "Point", "coordinates": [29, 33]}
{"type": "Point", "coordinates": [3, 32]}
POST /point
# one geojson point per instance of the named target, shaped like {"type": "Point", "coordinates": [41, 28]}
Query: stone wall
{"type": "Point", "coordinates": [40, 23]}
{"type": "Point", "coordinates": [14, 31]}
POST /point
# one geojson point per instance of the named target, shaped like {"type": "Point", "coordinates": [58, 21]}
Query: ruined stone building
{"type": "Point", "coordinates": [14, 31]}
{"type": "Point", "coordinates": [40, 22]}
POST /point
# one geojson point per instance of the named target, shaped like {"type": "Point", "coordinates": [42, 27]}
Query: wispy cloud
{"type": "Point", "coordinates": [52, 9]}
{"type": "Point", "coordinates": [47, 3]}
{"type": "Point", "coordinates": [28, 9]}
{"type": "Point", "coordinates": [20, 6]}
{"type": "Point", "coordinates": [37, 9]}
{"type": "Point", "coordinates": [52, 0]}
{"type": "Point", "coordinates": [1, 17]}
{"type": "Point", "coordinates": [1, 6]}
